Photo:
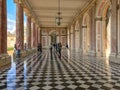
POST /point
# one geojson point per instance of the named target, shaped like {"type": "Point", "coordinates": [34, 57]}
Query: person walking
{"type": "Point", "coordinates": [66, 45]}
{"type": "Point", "coordinates": [59, 49]}
{"type": "Point", "coordinates": [39, 47]}
{"type": "Point", "coordinates": [51, 51]}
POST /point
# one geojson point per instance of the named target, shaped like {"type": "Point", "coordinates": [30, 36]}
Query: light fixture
{"type": "Point", "coordinates": [58, 18]}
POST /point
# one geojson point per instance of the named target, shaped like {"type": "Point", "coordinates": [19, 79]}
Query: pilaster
{"type": "Point", "coordinates": [28, 33]}
{"type": "Point", "coordinates": [114, 47]}
{"type": "Point", "coordinates": [84, 28]}
{"type": "Point", "coordinates": [98, 36]}
{"type": "Point", "coordinates": [118, 29]}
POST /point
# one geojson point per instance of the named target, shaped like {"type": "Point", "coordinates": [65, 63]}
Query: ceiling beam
{"type": "Point", "coordinates": [48, 16]}
{"type": "Point", "coordinates": [53, 26]}
{"type": "Point", "coordinates": [51, 22]}
{"type": "Point", "coordinates": [53, 8]}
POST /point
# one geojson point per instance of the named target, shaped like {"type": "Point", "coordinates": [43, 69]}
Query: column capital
{"type": "Point", "coordinates": [18, 1]}
{"type": "Point", "coordinates": [98, 19]}
{"type": "Point", "coordinates": [77, 30]}
{"type": "Point", "coordinates": [84, 26]}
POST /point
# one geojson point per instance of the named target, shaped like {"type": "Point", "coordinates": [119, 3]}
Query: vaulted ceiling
{"type": "Point", "coordinates": [45, 11]}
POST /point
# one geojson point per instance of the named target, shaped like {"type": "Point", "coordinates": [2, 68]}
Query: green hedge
{"type": "Point", "coordinates": [10, 48]}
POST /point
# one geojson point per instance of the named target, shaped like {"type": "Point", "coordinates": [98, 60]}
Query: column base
{"type": "Point", "coordinates": [118, 56]}
{"type": "Point", "coordinates": [91, 53]}
{"type": "Point", "coordinates": [78, 50]}
{"type": "Point", "coordinates": [81, 51]}
{"type": "Point", "coordinates": [114, 58]}
{"type": "Point", "coordinates": [103, 54]}
{"type": "Point", "coordinates": [98, 54]}
{"type": "Point", "coordinates": [72, 49]}
{"type": "Point", "coordinates": [112, 55]}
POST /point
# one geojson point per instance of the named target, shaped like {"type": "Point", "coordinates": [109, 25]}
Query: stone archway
{"type": "Point", "coordinates": [72, 37]}
{"type": "Point", "coordinates": [103, 28]}
{"type": "Point", "coordinates": [86, 34]}
{"type": "Point", "coordinates": [53, 37]}
{"type": "Point", "coordinates": [106, 31]}
{"type": "Point", "coordinates": [77, 35]}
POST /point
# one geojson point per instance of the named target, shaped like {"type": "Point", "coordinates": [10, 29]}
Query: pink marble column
{"type": "Point", "coordinates": [114, 49]}
{"type": "Point", "coordinates": [74, 36]}
{"type": "Point", "coordinates": [38, 35]}
{"type": "Point", "coordinates": [41, 36]}
{"type": "Point", "coordinates": [28, 33]}
{"type": "Point", "coordinates": [33, 35]}
{"type": "Point", "coordinates": [19, 25]}
{"type": "Point", "coordinates": [93, 31]}
{"type": "Point", "coordinates": [72, 31]}
{"type": "Point", "coordinates": [3, 27]}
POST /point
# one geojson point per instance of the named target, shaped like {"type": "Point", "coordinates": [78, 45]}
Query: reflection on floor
{"type": "Point", "coordinates": [71, 72]}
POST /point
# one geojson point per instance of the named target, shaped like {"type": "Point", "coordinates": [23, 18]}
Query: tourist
{"type": "Point", "coordinates": [39, 47]}
{"type": "Point", "coordinates": [18, 49]}
{"type": "Point", "coordinates": [59, 49]}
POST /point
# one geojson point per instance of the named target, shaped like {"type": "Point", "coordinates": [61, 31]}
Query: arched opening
{"type": "Point", "coordinates": [11, 26]}
{"type": "Point", "coordinates": [106, 30]}
{"type": "Point", "coordinates": [53, 37]}
{"type": "Point", "coordinates": [86, 34]}
{"type": "Point", "coordinates": [107, 33]}
{"type": "Point", "coordinates": [77, 36]}
{"type": "Point", "coordinates": [103, 28]}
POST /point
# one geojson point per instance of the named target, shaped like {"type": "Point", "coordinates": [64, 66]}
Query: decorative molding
{"type": "Point", "coordinates": [63, 35]}
{"type": "Point", "coordinates": [53, 8]}
{"type": "Point", "coordinates": [84, 10]}
{"type": "Point", "coordinates": [58, 28]}
{"type": "Point", "coordinates": [48, 16]}
{"type": "Point", "coordinates": [98, 19]}
{"type": "Point", "coordinates": [118, 6]}
{"type": "Point", "coordinates": [76, 30]}
{"type": "Point", "coordinates": [27, 5]}
{"type": "Point", "coordinates": [18, 1]}
{"type": "Point", "coordinates": [84, 26]}
{"type": "Point", "coordinates": [44, 35]}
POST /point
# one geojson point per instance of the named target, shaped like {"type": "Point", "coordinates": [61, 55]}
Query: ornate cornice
{"type": "Point", "coordinates": [98, 19]}
{"type": "Point", "coordinates": [84, 10]}
{"type": "Point", "coordinates": [29, 11]}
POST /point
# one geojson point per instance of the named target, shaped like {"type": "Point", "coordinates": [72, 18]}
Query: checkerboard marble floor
{"type": "Point", "coordinates": [47, 71]}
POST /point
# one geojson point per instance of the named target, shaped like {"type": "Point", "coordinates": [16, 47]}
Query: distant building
{"type": "Point", "coordinates": [10, 39]}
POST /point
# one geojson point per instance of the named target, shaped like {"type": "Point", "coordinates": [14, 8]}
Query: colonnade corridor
{"type": "Point", "coordinates": [70, 72]}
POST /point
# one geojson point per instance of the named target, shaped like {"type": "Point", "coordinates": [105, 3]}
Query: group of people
{"type": "Point", "coordinates": [57, 48]}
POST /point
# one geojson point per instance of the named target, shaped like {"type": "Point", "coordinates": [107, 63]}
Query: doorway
{"type": "Point", "coordinates": [53, 38]}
